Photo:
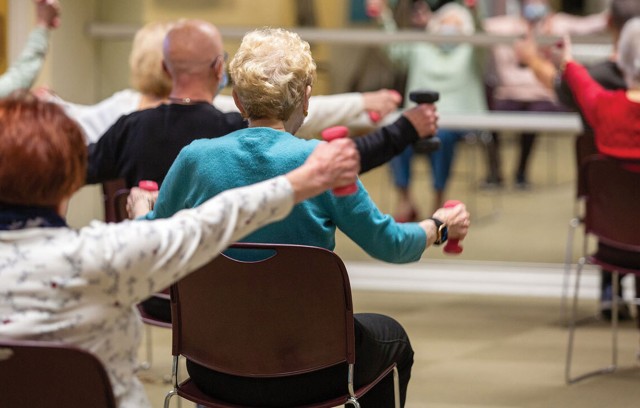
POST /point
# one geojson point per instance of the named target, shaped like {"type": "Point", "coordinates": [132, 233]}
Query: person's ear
{"type": "Point", "coordinates": [236, 100]}
{"type": "Point", "coordinates": [307, 96]}
{"type": "Point", "coordinates": [165, 69]}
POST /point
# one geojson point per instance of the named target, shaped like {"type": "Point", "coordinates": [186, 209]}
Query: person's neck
{"type": "Point", "coordinates": [191, 95]}
{"type": "Point", "coordinates": [150, 101]}
{"type": "Point", "coordinates": [276, 124]}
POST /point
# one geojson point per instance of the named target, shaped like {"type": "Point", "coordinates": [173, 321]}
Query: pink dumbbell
{"type": "Point", "coordinates": [332, 133]}
{"type": "Point", "coordinates": [453, 245]}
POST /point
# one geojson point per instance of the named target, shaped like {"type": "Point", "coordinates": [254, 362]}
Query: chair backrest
{"type": "Point", "coordinates": [53, 375]}
{"type": "Point", "coordinates": [288, 314]}
{"type": "Point", "coordinates": [114, 205]}
{"type": "Point", "coordinates": [613, 201]}
{"type": "Point", "coordinates": [585, 147]}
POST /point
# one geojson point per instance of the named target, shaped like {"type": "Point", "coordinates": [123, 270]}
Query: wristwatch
{"type": "Point", "coordinates": [442, 230]}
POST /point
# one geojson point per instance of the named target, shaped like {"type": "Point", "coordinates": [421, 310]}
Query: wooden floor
{"type": "Point", "coordinates": [484, 351]}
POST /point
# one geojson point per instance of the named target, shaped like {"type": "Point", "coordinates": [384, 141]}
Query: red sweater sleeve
{"type": "Point", "coordinates": [585, 89]}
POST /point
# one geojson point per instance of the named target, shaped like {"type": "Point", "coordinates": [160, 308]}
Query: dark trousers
{"type": "Point", "coordinates": [380, 341]}
{"type": "Point", "coordinates": [527, 139]}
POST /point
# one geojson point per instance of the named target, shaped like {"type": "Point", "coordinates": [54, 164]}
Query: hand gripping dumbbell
{"type": "Point", "coordinates": [332, 133]}
{"type": "Point", "coordinates": [453, 245]}
{"type": "Point", "coordinates": [430, 144]}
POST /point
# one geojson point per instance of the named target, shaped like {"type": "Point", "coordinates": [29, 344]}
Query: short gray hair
{"type": "Point", "coordinates": [629, 52]}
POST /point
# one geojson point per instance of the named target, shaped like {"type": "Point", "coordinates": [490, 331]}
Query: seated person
{"type": "Point", "coordinates": [273, 73]}
{"type": "Point", "coordinates": [79, 286]}
{"type": "Point", "coordinates": [23, 72]}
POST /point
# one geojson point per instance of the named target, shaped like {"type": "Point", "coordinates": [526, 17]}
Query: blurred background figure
{"type": "Point", "coordinates": [609, 75]}
{"type": "Point", "coordinates": [514, 86]}
{"type": "Point", "coordinates": [454, 70]}
{"type": "Point", "coordinates": [151, 86]}
{"type": "Point", "coordinates": [24, 71]}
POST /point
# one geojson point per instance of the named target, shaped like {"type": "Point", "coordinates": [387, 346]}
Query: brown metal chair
{"type": "Point", "coordinates": [612, 215]}
{"type": "Point", "coordinates": [53, 375]}
{"type": "Point", "coordinates": [113, 206]}
{"type": "Point", "coordinates": [584, 147]}
{"type": "Point", "coordinates": [288, 314]}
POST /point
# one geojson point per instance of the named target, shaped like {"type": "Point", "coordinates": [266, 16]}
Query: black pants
{"type": "Point", "coordinates": [380, 341]}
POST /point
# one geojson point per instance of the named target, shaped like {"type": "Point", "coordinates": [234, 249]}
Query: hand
{"type": "Point", "coordinates": [140, 202]}
{"type": "Point", "coordinates": [526, 50]}
{"type": "Point", "coordinates": [457, 220]}
{"type": "Point", "coordinates": [44, 93]}
{"type": "Point", "coordinates": [330, 165]}
{"type": "Point", "coordinates": [383, 101]}
{"type": "Point", "coordinates": [374, 7]}
{"type": "Point", "coordinates": [424, 119]}
{"type": "Point", "coordinates": [566, 47]}
{"type": "Point", "coordinates": [48, 13]}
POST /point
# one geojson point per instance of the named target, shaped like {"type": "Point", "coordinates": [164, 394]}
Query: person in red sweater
{"type": "Point", "coordinates": [613, 114]}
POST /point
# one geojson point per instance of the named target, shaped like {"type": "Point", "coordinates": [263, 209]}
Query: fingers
{"type": "Point", "coordinates": [457, 220]}
{"type": "Point", "coordinates": [424, 119]}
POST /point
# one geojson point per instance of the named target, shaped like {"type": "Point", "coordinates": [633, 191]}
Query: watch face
{"type": "Point", "coordinates": [444, 233]}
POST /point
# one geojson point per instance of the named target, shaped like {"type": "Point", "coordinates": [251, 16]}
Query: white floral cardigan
{"type": "Point", "coordinates": [81, 286]}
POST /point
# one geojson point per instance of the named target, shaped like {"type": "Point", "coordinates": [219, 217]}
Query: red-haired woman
{"type": "Point", "coordinates": [79, 286]}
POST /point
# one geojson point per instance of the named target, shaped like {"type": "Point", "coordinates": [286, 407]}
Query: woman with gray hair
{"type": "Point", "coordinates": [273, 72]}
{"type": "Point", "coordinates": [614, 115]}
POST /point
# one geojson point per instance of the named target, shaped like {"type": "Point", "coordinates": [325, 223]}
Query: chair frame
{"type": "Point", "coordinates": [268, 281]}
{"type": "Point", "coordinates": [596, 227]}
{"type": "Point", "coordinates": [52, 374]}
{"type": "Point", "coordinates": [584, 148]}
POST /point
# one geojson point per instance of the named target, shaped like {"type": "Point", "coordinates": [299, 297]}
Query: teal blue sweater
{"type": "Point", "coordinates": [207, 167]}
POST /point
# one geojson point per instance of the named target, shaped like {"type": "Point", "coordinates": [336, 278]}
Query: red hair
{"type": "Point", "coordinates": [43, 156]}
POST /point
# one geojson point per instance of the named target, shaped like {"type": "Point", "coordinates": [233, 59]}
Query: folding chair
{"type": "Point", "coordinates": [53, 375]}
{"type": "Point", "coordinates": [612, 215]}
{"type": "Point", "coordinates": [288, 314]}
{"type": "Point", "coordinates": [115, 198]}
{"type": "Point", "coordinates": [584, 147]}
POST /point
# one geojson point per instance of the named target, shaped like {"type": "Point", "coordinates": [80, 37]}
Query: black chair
{"type": "Point", "coordinates": [52, 375]}
{"type": "Point", "coordinates": [221, 320]}
{"type": "Point", "coordinates": [612, 215]}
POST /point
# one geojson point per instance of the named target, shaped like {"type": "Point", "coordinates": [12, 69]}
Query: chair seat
{"type": "Point", "coordinates": [611, 258]}
{"type": "Point", "coordinates": [188, 389]}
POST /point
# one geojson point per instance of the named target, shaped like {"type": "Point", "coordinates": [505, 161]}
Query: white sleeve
{"type": "Point", "coordinates": [345, 109]}
{"type": "Point", "coordinates": [147, 256]}
{"type": "Point", "coordinates": [23, 72]}
{"type": "Point", "coordinates": [96, 119]}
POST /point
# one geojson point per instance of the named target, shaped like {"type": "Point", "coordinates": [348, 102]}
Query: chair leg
{"type": "Point", "coordinates": [396, 387]}
{"type": "Point", "coordinates": [572, 327]}
{"type": "Point", "coordinates": [573, 224]}
{"type": "Point", "coordinates": [167, 399]}
{"type": "Point", "coordinates": [351, 401]}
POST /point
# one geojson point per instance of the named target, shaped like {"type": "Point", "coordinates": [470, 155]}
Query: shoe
{"type": "Point", "coordinates": [491, 183]}
{"type": "Point", "coordinates": [606, 309]}
{"type": "Point", "coordinates": [521, 183]}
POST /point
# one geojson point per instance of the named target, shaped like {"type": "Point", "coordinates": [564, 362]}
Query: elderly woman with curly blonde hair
{"type": "Point", "coordinates": [273, 73]}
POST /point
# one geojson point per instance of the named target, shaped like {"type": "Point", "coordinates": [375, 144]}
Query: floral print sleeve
{"type": "Point", "coordinates": [139, 258]}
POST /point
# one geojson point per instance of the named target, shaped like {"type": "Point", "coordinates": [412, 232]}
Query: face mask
{"type": "Point", "coordinates": [534, 11]}
{"type": "Point", "coordinates": [223, 82]}
{"type": "Point", "coordinates": [448, 29]}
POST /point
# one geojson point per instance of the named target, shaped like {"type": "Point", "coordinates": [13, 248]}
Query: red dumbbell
{"type": "Point", "coordinates": [375, 116]}
{"type": "Point", "coordinates": [453, 245]}
{"type": "Point", "coordinates": [332, 133]}
{"type": "Point", "coordinates": [148, 185]}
